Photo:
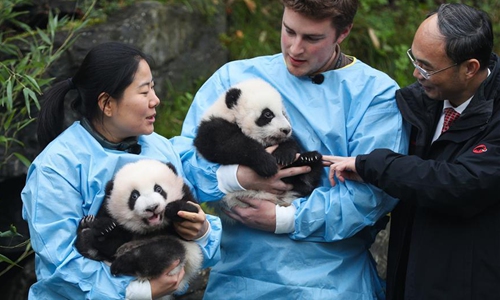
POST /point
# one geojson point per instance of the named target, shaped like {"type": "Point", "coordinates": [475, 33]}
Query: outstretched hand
{"type": "Point", "coordinates": [341, 167]}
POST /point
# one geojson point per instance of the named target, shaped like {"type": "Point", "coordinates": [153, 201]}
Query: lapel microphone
{"type": "Point", "coordinates": [318, 78]}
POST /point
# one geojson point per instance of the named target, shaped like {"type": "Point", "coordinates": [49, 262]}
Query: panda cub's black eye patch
{"type": "Point", "coordinates": [134, 195]}
{"type": "Point", "coordinates": [265, 117]}
{"type": "Point", "coordinates": [158, 189]}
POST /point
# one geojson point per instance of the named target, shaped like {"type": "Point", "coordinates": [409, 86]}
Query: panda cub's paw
{"type": "Point", "coordinates": [174, 207]}
{"type": "Point", "coordinates": [99, 228]}
{"type": "Point", "coordinates": [265, 166]}
{"type": "Point", "coordinates": [307, 159]}
{"type": "Point", "coordinates": [85, 237]}
{"type": "Point", "coordinates": [284, 155]}
{"type": "Point", "coordinates": [86, 222]}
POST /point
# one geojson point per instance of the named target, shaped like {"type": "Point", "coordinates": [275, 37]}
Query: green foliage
{"type": "Point", "coordinates": [206, 7]}
{"type": "Point", "coordinates": [173, 112]}
{"type": "Point", "coordinates": [381, 35]}
{"type": "Point", "coordinates": [254, 28]}
{"type": "Point", "coordinates": [12, 233]}
{"type": "Point", "coordinates": [25, 56]}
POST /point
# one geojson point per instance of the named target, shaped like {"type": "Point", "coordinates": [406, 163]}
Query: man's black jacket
{"type": "Point", "coordinates": [445, 230]}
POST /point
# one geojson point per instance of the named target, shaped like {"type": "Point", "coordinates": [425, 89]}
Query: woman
{"type": "Point", "coordinates": [117, 105]}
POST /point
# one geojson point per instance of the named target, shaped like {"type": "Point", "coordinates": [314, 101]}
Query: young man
{"type": "Point", "coordinates": [318, 248]}
{"type": "Point", "coordinates": [445, 231]}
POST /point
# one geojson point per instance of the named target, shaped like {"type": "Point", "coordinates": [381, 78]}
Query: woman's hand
{"type": "Point", "coordinates": [167, 283]}
{"type": "Point", "coordinates": [194, 226]}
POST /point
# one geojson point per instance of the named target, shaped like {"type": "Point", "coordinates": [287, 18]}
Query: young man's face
{"type": "Point", "coordinates": [308, 45]}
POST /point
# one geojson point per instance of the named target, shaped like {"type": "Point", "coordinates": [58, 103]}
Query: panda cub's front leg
{"type": "Point", "coordinates": [183, 204]}
{"type": "Point", "coordinates": [147, 258]}
{"type": "Point", "coordinates": [89, 231]}
{"type": "Point", "coordinates": [286, 152]}
{"type": "Point", "coordinates": [98, 238]}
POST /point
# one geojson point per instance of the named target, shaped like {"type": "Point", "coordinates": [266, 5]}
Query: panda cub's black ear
{"type": "Point", "coordinates": [109, 187]}
{"type": "Point", "coordinates": [171, 166]}
{"type": "Point", "coordinates": [232, 96]}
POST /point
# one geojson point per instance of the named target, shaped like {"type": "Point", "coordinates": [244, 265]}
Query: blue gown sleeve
{"type": "Point", "coordinates": [371, 121]}
{"type": "Point", "coordinates": [53, 225]}
{"type": "Point", "coordinates": [211, 246]}
{"type": "Point", "coordinates": [197, 169]}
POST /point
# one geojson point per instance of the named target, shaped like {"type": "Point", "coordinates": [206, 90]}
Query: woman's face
{"type": "Point", "coordinates": [134, 114]}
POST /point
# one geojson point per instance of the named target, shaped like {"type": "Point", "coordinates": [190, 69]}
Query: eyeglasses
{"type": "Point", "coordinates": [423, 72]}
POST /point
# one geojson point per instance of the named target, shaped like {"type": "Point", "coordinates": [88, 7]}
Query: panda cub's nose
{"type": "Point", "coordinates": [285, 131]}
{"type": "Point", "coordinates": [152, 208]}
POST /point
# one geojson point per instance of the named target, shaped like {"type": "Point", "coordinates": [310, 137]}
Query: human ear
{"type": "Point", "coordinates": [105, 104]}
{"type": "Point", "coordinates": [344, 33]}
{"type": "Point", "coordinates": [471, 67]}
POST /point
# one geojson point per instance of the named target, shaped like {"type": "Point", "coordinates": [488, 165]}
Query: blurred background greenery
{"type": "Point", "coordinates": [383, 31]}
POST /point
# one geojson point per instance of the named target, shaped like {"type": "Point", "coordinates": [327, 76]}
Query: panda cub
{"type": "Point", "coordinates": [133, 227]}
{"type": "Point", "coordinates": [238, 128]}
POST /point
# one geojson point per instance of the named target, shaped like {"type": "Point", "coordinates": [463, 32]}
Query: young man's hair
{"type": "Point", "coordinates": [341, 12]}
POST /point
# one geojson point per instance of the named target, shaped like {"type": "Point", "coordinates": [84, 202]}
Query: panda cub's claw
{"type": "Point", "coordinates": [87, 221]}
{"type": "Point", "coordinates": [108, 229]}
{"type": "Point", "coordinates": [284, 156]}
{"type": "Point", "coordinates": [307, 159]}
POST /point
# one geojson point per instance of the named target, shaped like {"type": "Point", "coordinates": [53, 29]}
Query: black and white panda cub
{"type": "Point", "coordinates": [133, 227]}
{"type": "Point", "coordinates": [239, 126]}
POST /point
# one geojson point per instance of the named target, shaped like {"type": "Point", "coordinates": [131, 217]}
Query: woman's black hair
{"type": "Point", "coordinates": [109, 67]}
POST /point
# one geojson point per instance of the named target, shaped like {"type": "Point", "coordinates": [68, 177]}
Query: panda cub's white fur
{"type": "Point", "coordinates": [256, 94]}
{"type": "Point", "coordinates": [239, 126]}
{"type": "Point", "coordinates": [133, 228]}
{"type": "Point", "coordinates": [146, 177]}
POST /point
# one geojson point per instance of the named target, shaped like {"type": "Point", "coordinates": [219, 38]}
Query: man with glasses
{"type": "Point", "coordinates": [445, 230]}
{"type": "Point", "coordinates": [421, 70]}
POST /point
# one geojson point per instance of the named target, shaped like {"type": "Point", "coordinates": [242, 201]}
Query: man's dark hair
{"type": "Point", "coordinates": [467, 31]}
{"type": "Point", "coordinates": [341, 12]}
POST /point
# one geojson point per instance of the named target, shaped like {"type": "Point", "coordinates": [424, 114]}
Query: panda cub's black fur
{"type": "Point", "coordinates": [133, 227]}
{"type": "Point", "coordinates": [239, 127]}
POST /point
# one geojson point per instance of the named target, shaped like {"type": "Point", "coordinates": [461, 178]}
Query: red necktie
{"type": "Point", "coordinates": [450, 115]}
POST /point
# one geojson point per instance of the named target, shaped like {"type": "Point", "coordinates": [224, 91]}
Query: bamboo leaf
{"type": "Point", "coordinates": [4, 258]}
{"type": "Point", "coordinates": [9, 95]}
{"type": "Point", "coordinates": [33, 83]}
{"type": "Point", "coordinates": [26, 162]}
{"type": "Point", "coordinates": [44, 36]}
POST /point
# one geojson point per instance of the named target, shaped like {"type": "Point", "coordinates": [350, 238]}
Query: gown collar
{"type": "Point", "coordinates": [129, 145]}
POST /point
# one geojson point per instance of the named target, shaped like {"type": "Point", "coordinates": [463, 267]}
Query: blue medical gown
{"type": "Point", "coordinates": [327, 256]}
{"type": "Point", "coordinates": [66, 182]}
